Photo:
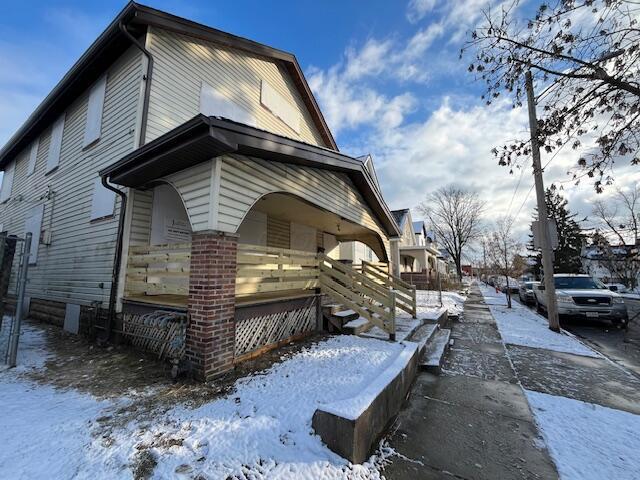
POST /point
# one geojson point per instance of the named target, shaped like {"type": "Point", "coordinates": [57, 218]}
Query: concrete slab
{"type": "Point", "coordinates": [441, 438]}
{"type": "Point", "coordinates": [482, 360]}
{"type": "Point", "coordinates": [593, 380]}
{"type": "Point", "coordinates": [477, 333]}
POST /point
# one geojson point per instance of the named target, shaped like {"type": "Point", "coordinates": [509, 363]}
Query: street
{"type": "Point", "coordinates": [620, 345]}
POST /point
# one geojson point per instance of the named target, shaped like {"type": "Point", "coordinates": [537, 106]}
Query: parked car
{"type": "Point", "coordinates": [526, 294]}
{"type": "Point", "coordinates": [581, 295]}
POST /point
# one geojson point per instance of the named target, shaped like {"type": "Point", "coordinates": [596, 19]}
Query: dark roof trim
{"type": "Point", "coordinates": [203, 138]}
{"type": "Point", "coordinates": [400, 216]}
{"type": "Point", "coordinates": [112, 43]}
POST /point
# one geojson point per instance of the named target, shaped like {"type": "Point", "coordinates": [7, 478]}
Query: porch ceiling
{"type": "Point", "coordinates": [203, 138]}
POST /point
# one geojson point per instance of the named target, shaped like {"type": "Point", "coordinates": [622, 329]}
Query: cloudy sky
{"type": "Point", "coordinates": [386, 74]}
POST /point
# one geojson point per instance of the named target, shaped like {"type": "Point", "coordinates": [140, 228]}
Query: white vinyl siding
{"type": "Point", "coordinates": [95, 105]}
{"type": "Point", "coordinates": [244, 180]}
{"type": "Point", "coordinates": [7, 182]}
{"type": "Point", "coordinates": [182, 63]}
{"type": "Point", "coordinates": [33, 157]}
{"type": "Point", "coordinates": [214, 103]}
{"type": "Point", "coordinates": [103, 201]}
{"type": "Point", "coordinates": [55, 144]}
{"type": "Point", "coordinates": [33, 225]}
{"type": "Point", "coordinates": [77, 265]}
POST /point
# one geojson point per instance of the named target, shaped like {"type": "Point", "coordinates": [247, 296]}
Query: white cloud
{"type": "Point", "coordinates": [417, 9]}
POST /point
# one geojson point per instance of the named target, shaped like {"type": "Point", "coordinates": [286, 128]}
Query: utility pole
{"type": "Point", "coordinates": [545, 240]}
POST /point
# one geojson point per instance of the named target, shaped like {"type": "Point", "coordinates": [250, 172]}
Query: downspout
{"type": "Point", "coordinates": [115, 274]}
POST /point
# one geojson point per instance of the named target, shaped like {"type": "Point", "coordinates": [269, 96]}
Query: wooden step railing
{"type": "Point", "coordinates": [368, 298]}
{"type": "Point", "coordinates": [406, 293]}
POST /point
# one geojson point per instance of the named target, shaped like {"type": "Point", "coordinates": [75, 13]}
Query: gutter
{"type": "Point", "coordinates": [117, 260]}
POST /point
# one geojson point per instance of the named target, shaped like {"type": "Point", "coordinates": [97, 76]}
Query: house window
{"type": "Point", "coordinates": [33, 225]}
{"type": "Point", "coordinates": [279, 106]}
{"type": "Point", "coordinates": [103, 202]}
{"type": "Point", "coordinates": [7, 182]}
{"type": "Point", "coordinates": [33, 157]}
{"type": "Point", "coordinates": [215, 104]}
{"type": "Point", "coordinates": [55, 147]}
{"type": "Point", "coordinates": [94, 111]}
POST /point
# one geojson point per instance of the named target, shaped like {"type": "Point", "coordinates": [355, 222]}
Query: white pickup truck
{"type": "Point", "coordinates": [581, 295]}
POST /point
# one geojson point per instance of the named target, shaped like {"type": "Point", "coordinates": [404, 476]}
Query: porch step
{"type": "Point", "coordinates": [338, 316]}
{"type": "Point", "coordinates": [357, 326]}
{"type": "Point", "coordinates": [435, 350]}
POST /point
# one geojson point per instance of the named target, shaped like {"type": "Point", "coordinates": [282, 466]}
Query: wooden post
{"type": "Point", "coordinates": [392, 311]}
{"type": "Point", "coordinates": [415, 301]}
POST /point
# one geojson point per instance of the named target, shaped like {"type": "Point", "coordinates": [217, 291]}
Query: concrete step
{"type": "Point", "coordinates": [356, 326]}
{"type": "Point", "coordinates": [435, 350]}
{"type": "Point", "coordinates": [423, 334]}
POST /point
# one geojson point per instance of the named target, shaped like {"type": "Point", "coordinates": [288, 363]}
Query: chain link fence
{"type": "Point", "coordinates": [14, 263]}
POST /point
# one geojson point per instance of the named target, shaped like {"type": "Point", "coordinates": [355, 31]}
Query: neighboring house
{"type": "Point", "coordinates": [171, 168]}
{"type": "Point", "coordinates": [614, 264]}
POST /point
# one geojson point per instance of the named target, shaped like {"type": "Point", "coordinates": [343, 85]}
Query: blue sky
{"type": "Point", "coordinates": [386, 74]}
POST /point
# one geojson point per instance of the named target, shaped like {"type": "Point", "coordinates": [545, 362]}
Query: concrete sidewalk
{"type": "Point", "coordinates": [473, 421]}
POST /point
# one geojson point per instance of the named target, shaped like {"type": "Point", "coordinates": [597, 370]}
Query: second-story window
{"type": "Point", "coordinates": [55, 147]}
{"type": "Point", "coordinates": [214, 103]}
{"type": "Point", "coordinates": [7, 182]}
{"type": "Point", "coordinates": [95, 105]}
{"type": "Point", "coordinates": [33, 157]}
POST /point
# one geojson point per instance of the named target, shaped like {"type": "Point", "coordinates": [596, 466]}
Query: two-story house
{"type": "Point", "coordinates": [179, 167]}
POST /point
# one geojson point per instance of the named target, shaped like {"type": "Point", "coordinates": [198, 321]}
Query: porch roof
{"type": "Point", "coordinates": [203, 138]}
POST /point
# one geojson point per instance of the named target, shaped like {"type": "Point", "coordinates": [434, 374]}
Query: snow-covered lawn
{"type": "Point", "coordinates": [587, 441]}
{"type": "Point", "coordinates": [260, 430]}
{"type": "Point", "coordinates": [522, 326]}
{"type": "Point", "coordinates": [428, 304]}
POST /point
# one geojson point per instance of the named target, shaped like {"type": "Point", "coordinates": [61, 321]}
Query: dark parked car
{"type": "Point", "coordinates": [526, 293]}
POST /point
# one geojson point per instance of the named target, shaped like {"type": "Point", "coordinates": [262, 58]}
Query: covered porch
{"type": "Point", "coordinates": [241, 229]}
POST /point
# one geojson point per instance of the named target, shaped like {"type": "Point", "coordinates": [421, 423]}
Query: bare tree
{"type": "Point", "coordinates": [502, 250]}
{"type": "Point", "coordinates": [584, 55]}
{"type": "Point", "coordinates": [617, 236]}
{"type": "Point", "coordinates": [454, 215]}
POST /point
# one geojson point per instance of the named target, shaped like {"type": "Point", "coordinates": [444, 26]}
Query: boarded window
{"type": "Point", "coordinates": [7, 182]}
{"type": "Point", "coordinates": [33, 157]}
{"type": "Point", "coordinates": [303, 237]}
{"type": "Point", "coordinates": [214, 103]}
{"type": "Point", "coordinates": [279, 106]}
{"type": "Point", "coordinates": [94, 111]}
{"type": "Point", "coordinates": [55, 147]}
{"type": "Point", "coordinates": [103, 201]}
{"type": "Point", "coordinates": [33, 225]}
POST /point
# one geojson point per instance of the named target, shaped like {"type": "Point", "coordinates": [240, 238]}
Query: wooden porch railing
{"type": "Point", "coordinates": [406, 293]}
{"type": "Point", "coordinates": [158, 269]}
{"type": "Point", "coordinates": [267, 269]}
{"type": "Point", "coordinates": [358, 292]}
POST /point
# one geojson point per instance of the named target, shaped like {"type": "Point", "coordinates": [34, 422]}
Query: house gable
{"type": "Point", "coordinates": [243, 86]}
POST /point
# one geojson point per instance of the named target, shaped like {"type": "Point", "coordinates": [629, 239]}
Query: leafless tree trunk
{"type": "Point", "coordinates": [454, 215]}
{"type": "Point", "coordinates": [502, 248]}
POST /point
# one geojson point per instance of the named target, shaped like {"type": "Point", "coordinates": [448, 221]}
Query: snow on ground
{"type": "Point", "coordinates": [32, 352]}
{"type": "Point", "coordinates": [428, 304]}
{"type": "Point", "coordinates": [587, 441]}
{"type": "Point", "coordinates": [260, 430]}
{"type": "Point", "coordinates": [522, 326]}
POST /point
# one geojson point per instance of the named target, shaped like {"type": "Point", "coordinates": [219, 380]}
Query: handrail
{"type": "Point", "coordinates": [358, 292]}
{"type": "Point", "coordinates": [406, 299]}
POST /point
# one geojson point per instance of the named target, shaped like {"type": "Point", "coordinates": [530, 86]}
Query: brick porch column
{"type": "Point", "coordinates": [211, 333]}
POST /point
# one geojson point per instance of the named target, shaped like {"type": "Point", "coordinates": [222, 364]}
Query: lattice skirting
{"type": "Point", "coordinates": [162, 333]}
{"type": "Point", "coordinates": [270, 327]}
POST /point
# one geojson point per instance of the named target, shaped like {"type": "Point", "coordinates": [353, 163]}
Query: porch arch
{"type": "Point", "coordinates": [283, 206]}
{"type": "Point", "coordinates": [244, 181]}
{"type": "Point", "coordinates": [170, 219]}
